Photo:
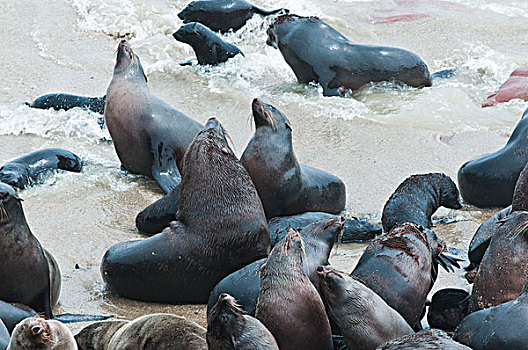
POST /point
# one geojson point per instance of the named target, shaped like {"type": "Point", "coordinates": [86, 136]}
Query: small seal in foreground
{"type": "Point", "coordinates": [60, 101]}
{"type": "Point", "coordinates": [363, 316]}
{"type": "Point", "coordinates": [221, 15]}
{"type": "Point", "coordinates": [229, 328]}
{"type": "Point", "coordinates": [31, 168]}
{"type": "Point", "coordinates": [38, 333]}
{"type": "Point", "coordinates": [289, 305]}
{"type": "Point", "coordinates": [285, 186]}
{"type": "Point", "coordinates": [207, 46]}
{"type": "Point", "coordinates": [417, 198]}
{"type": "Point", "coordinates": [425, 340]}
{"type": "Point", "coordinates": [97, 336]}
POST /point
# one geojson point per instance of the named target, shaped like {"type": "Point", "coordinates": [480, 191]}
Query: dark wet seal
{"type": "Point", "coordinates": [489, 180]}
{"type": "Point", "coordinates": [207, 46]}
{"type": "Point", "coordinates": [501, 327]}
{"type": "Point", "coordinates": [65, 102]}
{"type": "Point", "coordinates": [38, 333]}
{"type": "Point", "coordinates": [34, 167]}
{"type": "Point", "coordinates": [402, 266]}
{"type": "Point", "coordinates": [417, 198]}
{"type": "Point", "coordinates": [11, 314]}
{"type": "Point", "coordinates": [318, 53]}
{"type": "Point", "coordinates": [425, 340]}
{"type": "Point", "coordinates": [222, 15]}
{"type": "Point", "coordinates": [228, 327]}
{"type": "Point", "coordinates": [448, 308]}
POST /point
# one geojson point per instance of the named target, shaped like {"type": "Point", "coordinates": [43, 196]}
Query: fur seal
{"type": "Point", "coordinates": [363, 316]}
{"type": "Point", "coordinates": [60, 101]}
{"type": "Point", "coordinates": [244, 284]}
{"type": "Point", "coordinates": [318, 53]}
{"type": "Point", "coordinates": [221, 15]}
{"type": "Point", "coordinates": [150, 136]}
{"type": "Point", "coordinates": [29, 274]}
{"type": "Point", "coordinates": [288, 304]}
{"type": "Point", "coordinates": [402, 266]}
{"type": "Point", "coordinates": [448, 307]}
{"type": "Point", "coordinates": [417, 198]}
{"type": "Point", "coordinates": [31, 168]}
{"type": "Point", "coordinates": [426, 340]}
{"type": "Point", "coordinates": [38, 333]}
{"type": "Point", "coordinates": [229, 328]}
{"type": "Point", "coordinates": [285, 186]}
{"type": "Point", "coordinates": [515, 87]}
{"type": "Point", "coordinates": [207, 46]}
{"type": "Point", "coordinates": [220, 228]}
{"type": "Point", "coordinates": [489, 180]}
{"type": "Point", "coordinates": [97, 336]}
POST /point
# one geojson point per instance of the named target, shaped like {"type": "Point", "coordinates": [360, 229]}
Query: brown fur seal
{"type": "Point", "coordinates": [150, 136]}
{"type": "Point", "coordinates": [97, 336]}
{"type": "Point", "coordinates": [38, 333]}
{"type": "Point", "coordinates": [220, 228]}
{"type": "Point", "coordinates": [285, 186]}
{"type": "Point", "coordinates": [289, 305]}
{"type": "Point", "coordinates": [363, 316]}
{"type": "Point", "coordinates": [29, 274]}
{"type": "Point", "coordinates": [229, 328]}
{"type": "Point", "coordinates": [426, 340]}
{"type": "Point", "coordinates": [417, 198]}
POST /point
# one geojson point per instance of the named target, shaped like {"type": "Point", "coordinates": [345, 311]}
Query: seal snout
{"type": "Point", "coordinates": [36, 330]}
{"type": "Point", "coordinates": [6, 192]}
{"type": "Point", "coordinates": [262, 114]}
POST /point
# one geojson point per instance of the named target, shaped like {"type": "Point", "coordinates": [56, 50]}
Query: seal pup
{"type": "Point", "coordinates": [221, 15]}
{"type": "Point", "coordinates": [402, 266]}
{"type": "Point", "coordinates": [29, 274]}
{"type": "Point", "coordinates": [426, 340]}
{"type": "Point", "coordinates": [31, 168]}
{"type": "Point", "coordinates": [207, 46]}
{"type": "Point", "coordinates": [285, 186]}
{"type": "Point", "coordinates": [448, 307]}
{"type": "Point", "coordinates": [229, 328]}
{"type": "Point", "coordinates": [417, 198]}
{"type": "Point", "coordinates": [489, 180]}
{"type": "Point", "coordinates": [38, 333]}
{"type": "Point", "coordinates": [97, 336]}
{"type": "Point", "coordinates": [220, 227]}
{"type": "Point", "coordinates": [150, 136]}
{"type": "Point", "coordinates": [363, 316]}
{"type": "Point", "coordinates": [288, 305]}
{"type": "Point", "coordinates": [318, 53]}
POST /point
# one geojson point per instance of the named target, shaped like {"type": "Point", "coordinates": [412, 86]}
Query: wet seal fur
{"type": "Point", "coordinates": [97, 336]}
{"type": "Point", "coordinates": [448, 307]}
{"type": "Point", "coordinates": [318, 53]}
{"type": "Point", "coordinates": [363, 316]}
{"type": "Point", "coordinates": [207, 46]}
{"type": "Point", "coordinates": [220, 227]}
{"type": "Point", "coordinates": [38, 333]}
{"type": "Point", "coordinates": [65, 102]}
{"type": "Point", "coordinates": [29, 273]}
{"type": "Point", "coordinates": [426, 340]}
{"type": "Point", "coordinates": [287, 299]}
{"type": "Point", "coordinates": [11, 315]}
{"type": "Point", "coordinates": [285, 186]}
{"type": "Point", "coordinates": [33, 167]}
{"type": "Point", "coordinates": [229, 328]}
{"type": "Point", "coordinates": [150, 136]}
{"type": "Point", "coordinates": [221, 15]}
{"type": "Point", "coordinates": [489, 180]}
{"type": "Point", "coordinates": [417, 198]}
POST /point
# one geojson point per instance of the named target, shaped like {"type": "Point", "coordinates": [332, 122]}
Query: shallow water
{"type": "Point", "coordinates": [372, 140]}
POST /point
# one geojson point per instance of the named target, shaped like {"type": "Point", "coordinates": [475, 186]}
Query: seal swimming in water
{"type": "Point", "coordinates": [363, 316]}
{"type": "Point", "coordinates": [427, 339]}
{"type": "Point", "coordinates": [221, 15]}
{"type": "Point", "coordinates": [285, 186]}
{"type": "Point", "coordinates": [288, 304]}
{"type": "Point", "coordinates": [29, 274]}
{"type": "Point", "coordinates": [318, 53]}
{"type": "Point", "coordinates": [38, 333]}
{"type": "Point", "coordinates": [150, 136]}
{"type": "Point", "coordinates": [60, 101]}
{"type": "Point", "coordinates": [31, 168]}
{"type": "Point", "coordinates": [220, 228]}
{"type": "Point", "coordinates": [229, 328]}
{"type": "Point", "coordinates": [417, 198]}
{"type": "Point", "coordinates": [207, 46]}
{"type": "Point", "coordinates": [489, 180]}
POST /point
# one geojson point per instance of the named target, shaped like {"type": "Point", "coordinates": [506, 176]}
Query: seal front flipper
{"type": "Point", "coordinates": [164, 168]}
{"type": "Point", "coordinates": [263, 12]}
{"type": "Point", "coordinates": [154, 218]}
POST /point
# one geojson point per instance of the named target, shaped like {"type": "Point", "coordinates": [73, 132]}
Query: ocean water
{"type": "Point", "coordinates": [372, 140]}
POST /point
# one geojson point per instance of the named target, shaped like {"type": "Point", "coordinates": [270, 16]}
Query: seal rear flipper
{"type": "Point", "coordinates": [447, 262]}
{"type": "Point", "coordinates": [186, 63]}
{"type": "Point", "coordinates": [445, 74]}
{"type": "Point", "coordinates": [270, 12]}
{"type": "Point", "coordinates": [154, 218]}
{"type": "Point", "coordinates": [164, 168]}
{"type": "Point", "coordinates": [74, 318]}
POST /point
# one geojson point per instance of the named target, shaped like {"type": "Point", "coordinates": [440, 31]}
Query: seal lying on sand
{"type": "Point", "coordinates": [150, 136]}
{"type": "Point", "coordinates": [31, 168]}
{"type": "Point", "coordinates": [363, 316]}
{"type": "Point", "coordinates": [207, 46]}
{"type": "Point", "coordinates": [318, 53]}
{"type": "Point", "coordinates": [229, 328]}
{"type": "Point", "coordinates": [29, 274]}
{"type": "Point", "coordinates": [38, 333]}
{"type": "Point", "coordinates": [515, 87]}
{"type": "Point", "coordinates": [427, 339]}
{"type": "Point", "coordinates": [66, 101]}
{"type": "Point", "coordinates": [220, 228]}
{"type": "Point", "coordinates": [489, 180]}
{"type": "Point", "coordinates": [285, 186]}
{"type": "Point", "coordinates": [221, 15]}
{"type": "Point", "coordinates": [417, 198]}
{"type": "Point", "coordinates": [97, 336]}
